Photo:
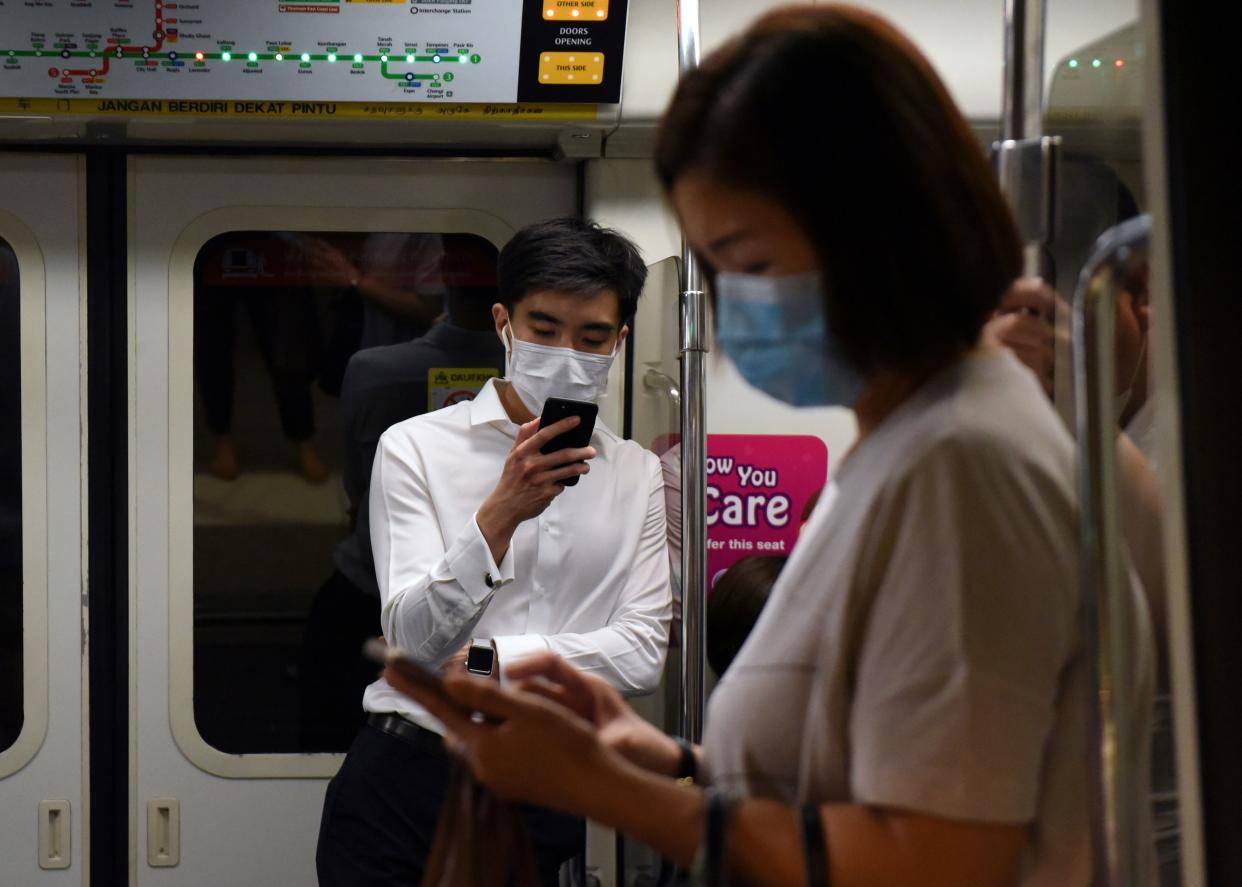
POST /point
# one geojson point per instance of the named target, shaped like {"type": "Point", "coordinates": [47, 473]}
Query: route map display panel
{"type": "Point", "coordinates": [234, 56]}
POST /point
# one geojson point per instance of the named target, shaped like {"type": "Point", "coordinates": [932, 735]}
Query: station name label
{"type": "Point", "coordinates": [302, 110]}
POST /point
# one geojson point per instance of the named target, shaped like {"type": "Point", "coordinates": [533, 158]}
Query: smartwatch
{"type": "Point", "coordinates": [481, 657]}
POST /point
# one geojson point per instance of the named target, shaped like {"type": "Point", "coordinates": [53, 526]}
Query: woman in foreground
{"type": "Point", "coordinates": [910, 708]}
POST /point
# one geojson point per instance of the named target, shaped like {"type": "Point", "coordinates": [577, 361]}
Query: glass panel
{"type": "Point", "coordinates": [11, 641]}
{"type": "Point", "coordinates": [1095, 103]}
{"type": "Point", "coordinates": [286, 424]}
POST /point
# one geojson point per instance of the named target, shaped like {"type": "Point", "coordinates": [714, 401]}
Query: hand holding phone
{"type": "Point", "coordinates": [558, 408]}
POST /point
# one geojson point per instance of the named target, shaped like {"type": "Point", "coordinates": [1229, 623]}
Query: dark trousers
{"type": "Point", "coordinates": [333, 672]}
{"type": "Point", "coordinates": [381, 810]}
{"type": "Point", "coordinates": [286, 332]}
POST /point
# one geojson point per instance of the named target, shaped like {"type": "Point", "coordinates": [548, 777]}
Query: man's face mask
{"type": "Point", "coordinates": [538, 372]}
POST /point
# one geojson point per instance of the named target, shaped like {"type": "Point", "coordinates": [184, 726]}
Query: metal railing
{"type": "Point", "coordinates": [1119, 783]}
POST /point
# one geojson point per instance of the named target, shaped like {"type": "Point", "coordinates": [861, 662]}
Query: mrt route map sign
{"type": "Point", "coordinates": [307, 58]}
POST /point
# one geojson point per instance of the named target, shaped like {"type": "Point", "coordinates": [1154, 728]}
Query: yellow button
{"type": "Point", "coordinates": [575, 10]}
{"type": "Point", "coordinates": [571, 68]}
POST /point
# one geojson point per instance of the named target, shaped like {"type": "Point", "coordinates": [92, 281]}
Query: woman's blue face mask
{"type": "Point", "coordinates": [775, 332]}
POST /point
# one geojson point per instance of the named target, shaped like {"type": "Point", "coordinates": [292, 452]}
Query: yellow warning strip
{"type": "Point", "coordinates": [299, 110]}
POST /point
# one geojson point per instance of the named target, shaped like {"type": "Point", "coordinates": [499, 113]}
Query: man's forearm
{"type": "Point", "coordinates": [497, 530]}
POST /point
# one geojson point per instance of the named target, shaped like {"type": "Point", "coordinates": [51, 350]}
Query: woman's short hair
{"type": "Point", "coordinates": [835, 116]}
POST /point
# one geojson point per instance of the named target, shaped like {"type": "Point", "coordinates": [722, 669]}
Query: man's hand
{"type": "Point", "coordinates": [528, 483]}
{"type": "Point", "coordinates": [1023, 323]}
{"type": "Point", "coordinates": [330, 265]}
{"type": "Point", "coordinates": [455, 664]}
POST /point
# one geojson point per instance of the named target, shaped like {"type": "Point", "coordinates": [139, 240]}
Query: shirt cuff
{"type": "Point", "coordinates": [515, 648]}
{"type": "Point", "coordinates": [472, 565]}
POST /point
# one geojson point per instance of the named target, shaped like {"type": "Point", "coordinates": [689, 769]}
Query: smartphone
{"type": "Point", "coordinates": [415, 672]}
{"type": "Point", "coordinates": [557, 408]}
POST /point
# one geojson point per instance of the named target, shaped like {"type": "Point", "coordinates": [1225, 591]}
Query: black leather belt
{"type": "Point", "coordinates": [421, 738]}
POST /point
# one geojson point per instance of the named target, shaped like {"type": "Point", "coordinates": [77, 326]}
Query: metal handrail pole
{"type": "Point", "coordinates": [1022, 121]}
{"type": "Point", "coordinates": [1022, 101]}
{"type": "Point", "coordinates": [1117, 785]}
{"type": "Point", "coordinates": [692, 350]}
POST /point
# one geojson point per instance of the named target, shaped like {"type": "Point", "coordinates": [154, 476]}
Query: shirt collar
{"type": "Point", "coordinates": [486, 409]}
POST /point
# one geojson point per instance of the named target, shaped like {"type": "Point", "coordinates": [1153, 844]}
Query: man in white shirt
{"type": "Point", "coordinates": [478, 544]}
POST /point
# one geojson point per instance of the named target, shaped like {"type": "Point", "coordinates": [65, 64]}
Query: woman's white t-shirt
{"type": "Point", "coordinates": [922, 648]}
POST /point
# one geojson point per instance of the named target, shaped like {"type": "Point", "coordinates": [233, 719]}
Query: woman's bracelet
{"type": "Point", "coordinates": [688, 763]}
{"type": "Point", "coordinates": [709, 864]}
{"type": "Point", "coordinates": [814, 846]}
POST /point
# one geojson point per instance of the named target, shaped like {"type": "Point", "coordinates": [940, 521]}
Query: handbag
{"type": "Point", "coordinates": [480, 839]}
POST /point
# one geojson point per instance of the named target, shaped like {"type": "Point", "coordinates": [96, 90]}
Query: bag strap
{"type": "Point", "coordinates": [815, 847]}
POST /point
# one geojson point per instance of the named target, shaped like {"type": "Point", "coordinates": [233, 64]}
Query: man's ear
{"type": "Point", "coordinates": [622, 334]}
{"type": "Point", "coordinates": [500, 316]}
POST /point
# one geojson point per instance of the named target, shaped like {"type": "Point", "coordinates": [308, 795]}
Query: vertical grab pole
{"type": "Point", "coordinates": [1026, 162]}
{"type": "Point", "coordinates": [693, 350]}
{"type": "Point", "coordinates": [1117, 786]}
{"type": "Point", "coordinates": [1022, 110]}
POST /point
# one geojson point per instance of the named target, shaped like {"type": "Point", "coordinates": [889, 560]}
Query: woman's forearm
{"type": "Point", "coordinates": [661, 812]}
{"type": "Point", "coordinates": [866, 845]}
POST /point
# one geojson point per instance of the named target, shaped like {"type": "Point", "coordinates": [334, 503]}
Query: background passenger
{"type": "Point", "coordinates": [476, 542]}
{"type": "Point", "coordinates": [391, 312]}
{"type": "Point", "coordinates": [285, 324]}
{"type": "Point", "coordinates": [382, 386]}
{"type": "Point", "coordinates": [914, 698]}
{"type": "Point", "coordinates": [734, 605]}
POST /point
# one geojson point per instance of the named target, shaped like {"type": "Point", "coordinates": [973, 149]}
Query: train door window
{"type": "Point", "coordinates": [307, 346]}
{"type": "Point", "coordinates": [12, 646]}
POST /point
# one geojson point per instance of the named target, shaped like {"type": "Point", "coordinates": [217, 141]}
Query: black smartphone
{"type": "Point", "coordinates": [557, 408]}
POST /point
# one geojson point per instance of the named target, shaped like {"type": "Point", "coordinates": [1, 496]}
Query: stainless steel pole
{"type": "Point", "coordinates": [693, 350]}
{"type": "Point", "coordinates": [1022, 109]}
{"type": "Point", "coordinates": [1026, 162]}
{"type": "Point", "coordinates": [1118, 788]}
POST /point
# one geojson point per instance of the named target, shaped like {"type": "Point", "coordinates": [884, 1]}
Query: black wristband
{"type": "Point", "coordinates": [719, 805]}
{"type": "Point", "coordinates": [688, 763]}
{"type": "Point", "coordinates": [814, 846]}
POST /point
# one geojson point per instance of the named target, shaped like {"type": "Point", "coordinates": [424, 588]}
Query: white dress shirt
{"type": "Point", "coordinates": [587, 579]}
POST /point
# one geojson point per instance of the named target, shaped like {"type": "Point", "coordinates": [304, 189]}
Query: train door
{"type": "Point", "coordinates": [252, 282]}
{"type": "Point", "coordinates": [42, 476]}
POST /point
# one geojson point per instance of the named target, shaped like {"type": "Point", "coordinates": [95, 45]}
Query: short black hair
{"type": "Point", "coordinates": [571, 255]}
{"type": "Point", "coordinates": [881, 171]}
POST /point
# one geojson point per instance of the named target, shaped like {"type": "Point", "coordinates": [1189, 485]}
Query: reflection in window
{"type": "Point", "coordinates": [307, 346]}
{"type": "Point", "coordinates": [1096, 105]}
{"type": "Point", "coordinates": [11, 645]}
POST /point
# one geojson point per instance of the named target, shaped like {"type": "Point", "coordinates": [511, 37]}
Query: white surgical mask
{"type": "Point", "coordinates": [538, 372]}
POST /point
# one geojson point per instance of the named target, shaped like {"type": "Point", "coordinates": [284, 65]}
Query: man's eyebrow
{"type": "Point", "coordinates": [544, 317]}
{"type": "Point", "coordinates": [600, 327]}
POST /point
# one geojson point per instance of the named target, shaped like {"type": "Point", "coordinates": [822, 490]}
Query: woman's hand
{"type": "Point", "coordinates": [617, 726]}
{"type": "Point", "coordinates": [1023, 322]}
{"type": "Point", "coordinates": [525, 747]}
